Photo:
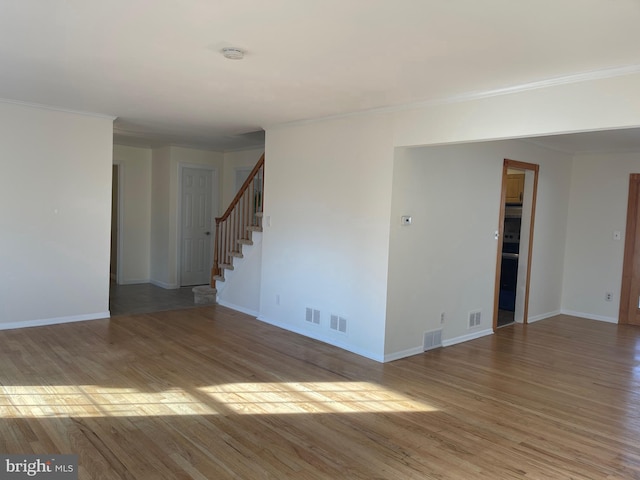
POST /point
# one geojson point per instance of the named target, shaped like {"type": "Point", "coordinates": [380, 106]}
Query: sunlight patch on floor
{"type": "Point", "coordinates": [308, 397]}
{"type": "Point", "coordinates": [98, 401]}
{"type": "Point", "coordinates": [59, 401]}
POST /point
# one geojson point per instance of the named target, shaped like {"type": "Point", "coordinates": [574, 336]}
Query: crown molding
{"type": "Point", "coordinates": [537, 85]}
{"type": "Point", "coordinates": [56, 109]}
{"type": "Point", "coordinates": [471, 96]}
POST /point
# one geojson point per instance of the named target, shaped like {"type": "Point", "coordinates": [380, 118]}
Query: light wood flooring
{"type": "Point", "coordinates": [208, 393]}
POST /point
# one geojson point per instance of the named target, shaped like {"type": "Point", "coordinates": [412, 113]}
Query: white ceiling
{"type": "Point", "coordinates": [157, 67]}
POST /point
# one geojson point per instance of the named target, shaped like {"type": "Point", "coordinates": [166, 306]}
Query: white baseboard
{"type": "Point", "coordinates": [589, 316]}
{"type": "Point", "coordinates": [445, 343]}
{"type": "Point", "coordinates": [133, 281]}
{"type": "Point", "coordinates": [168, 286]}
{"type": "Point", "coordinates": [54, 321]}
{"type": "Point", "coordinates": [537, 318]}
{"type": "Point", "coordinates": [238, 308]}
{"type": "Point", "coordinates": [321, 338]}
{"type": "Point", "coordinates": [403, 354]}
{"type": "Point", "coordinates": [467, 337]}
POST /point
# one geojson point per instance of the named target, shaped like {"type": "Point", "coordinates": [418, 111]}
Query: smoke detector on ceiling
{"type": "Point", "coordinates": [233, 53]}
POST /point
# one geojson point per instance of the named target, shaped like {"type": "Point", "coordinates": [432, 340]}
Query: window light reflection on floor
{"type": "Point", "coordinates": [324, 397]}
{"type": "Point", "coordinates": [237, 398]}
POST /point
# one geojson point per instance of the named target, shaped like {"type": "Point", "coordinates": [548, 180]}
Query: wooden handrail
{"type": "Point", "coordinates": [244, 187]}
{"type": "Point", "coordinates": [234, 226]}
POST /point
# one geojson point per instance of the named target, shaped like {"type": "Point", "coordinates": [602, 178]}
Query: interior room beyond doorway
{"type": "Point", "coordinates": [519, 203]}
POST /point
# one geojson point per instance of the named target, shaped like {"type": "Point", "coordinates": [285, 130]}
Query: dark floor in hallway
{"type": "Point", "coordinates": [146, 298]}
{"type": "Point", "coordinates": [505, 317]}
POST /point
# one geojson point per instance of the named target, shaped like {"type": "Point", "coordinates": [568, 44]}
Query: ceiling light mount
{"type": "Point", "coordinates": [233, 53]}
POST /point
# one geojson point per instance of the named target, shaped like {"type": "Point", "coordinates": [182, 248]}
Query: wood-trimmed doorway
{"type": "Point", "coordinates": [528, 218]}
{"type": "Point", "coordinates": [630, 289]}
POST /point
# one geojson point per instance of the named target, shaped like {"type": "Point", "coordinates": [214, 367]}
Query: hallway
{"type": "Point", "coordinates": [147, 298]}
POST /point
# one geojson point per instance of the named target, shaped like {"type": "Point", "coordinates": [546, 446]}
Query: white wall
{"type": "Point", "coordinates": [233, 161]}
{"type": "Point", "coordinates": [165, 189]}
{"type": "Point", "coordinates": [328, 195]}
{"type": "Point", "coordinates": [241, 287]}
{"type": "Point", "coordinates": [135, 213]}
{"type": "Point", "coordinates": [160, 218]}
{"type": "Point", "coordinates": [312, 194]}
{"type": "Point", "coordinates": [445, 262]}
{"type": "Point", "coordinates": [55, 204]}
{"type": "Point", "coordinates": [549, 236]}
{"type": "Point", "coordinates": [589, 105]}
{"type": "Point", "coordinates": [150, 205]}
{"type": "Point", "coordinates": [593, 259]}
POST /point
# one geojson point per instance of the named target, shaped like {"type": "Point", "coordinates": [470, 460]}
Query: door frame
{"type": "Point", "coordinates": [629, 248]}
{"type": "Point", "coordinates": [507, 164]}
{"type": "Point", "coordinates": [215, 202]}
{"type": "Point", "coordinates": [119, 220]}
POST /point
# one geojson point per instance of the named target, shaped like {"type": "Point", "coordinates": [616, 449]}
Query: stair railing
{"type": "Point", "coordinates": [234, 227]}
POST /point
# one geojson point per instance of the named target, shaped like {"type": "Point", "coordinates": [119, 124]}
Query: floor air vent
{"type": "Point", "coordinates": [432, 340]}
{"type": "Point", "coordinates": [474, 319]}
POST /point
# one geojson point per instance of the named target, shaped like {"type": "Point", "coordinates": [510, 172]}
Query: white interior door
{"type": "Point", "coordinates": [196, 227]}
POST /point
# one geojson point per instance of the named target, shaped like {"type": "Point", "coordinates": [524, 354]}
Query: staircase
{"type": "Point", "coordinates": [236, 226]}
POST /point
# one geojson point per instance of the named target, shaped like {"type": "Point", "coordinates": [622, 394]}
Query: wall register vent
{"type": "Point", "coordinates": [338, 323]}
{"type": "Point", "coordinates": [313, 316]}
{"type": "Point", "coordinates": [432, 340]}
{"type": "Point", "coordinates": [474, 319]}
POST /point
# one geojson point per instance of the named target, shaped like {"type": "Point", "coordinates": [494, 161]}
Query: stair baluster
{"type": "Point", "coordinates": [234, 226]}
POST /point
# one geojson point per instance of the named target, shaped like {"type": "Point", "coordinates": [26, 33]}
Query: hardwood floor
{"type": "Point", "coordinates": [209, 393]}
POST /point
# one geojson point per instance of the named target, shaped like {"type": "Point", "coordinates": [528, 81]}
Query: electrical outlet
{"type": "Point", "coordinates": [608, 296]}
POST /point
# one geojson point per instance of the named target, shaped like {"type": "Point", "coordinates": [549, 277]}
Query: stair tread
{"type": "Point", "coordinates": [259, 214]}
{"type": "Point", "coordinates": [226, 266]}
{"type": "Point", "coordinates": [254, 228]}
{"type": "Point", "coordinates": [219, 278]}
{"type": "Point", "coordinates": [244, 241]}
{"type": "Point", "coordinates": [236, 254]}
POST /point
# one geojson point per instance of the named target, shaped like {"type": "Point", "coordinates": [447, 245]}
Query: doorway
{"type": "Point", "coordinates": [115, 223]}
{"type": "Point", "coordinates": [630, 290]}
{"type": "Point", "coordinates": [515, 242]}
{"type": "Point", "coordinates": [196, 225]}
